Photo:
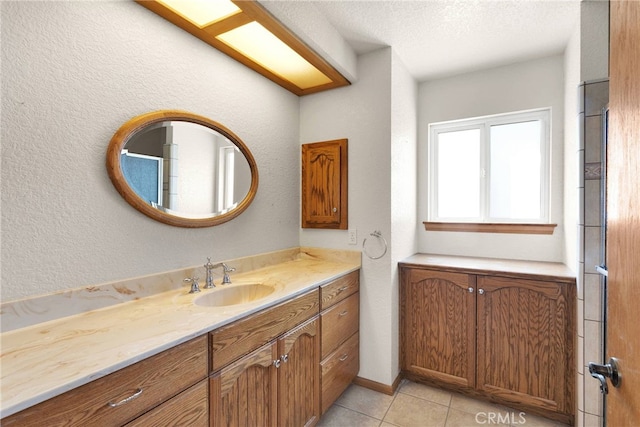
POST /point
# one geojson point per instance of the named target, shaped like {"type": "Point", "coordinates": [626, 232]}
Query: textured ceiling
{"type": "Point", "coordinates": [445, 37]}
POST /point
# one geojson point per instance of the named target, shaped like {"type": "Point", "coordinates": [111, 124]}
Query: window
{"type": "Point", "coordinates": [492, 169]}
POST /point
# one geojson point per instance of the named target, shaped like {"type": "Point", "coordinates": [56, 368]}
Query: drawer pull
{"type": "Point", "coordinates": [344, 313]}
{"type": "Point", "coordinates": [137, 393]}
{"type": "Point", "coordinates": [344, 288]}
{"type": "Point", "coordinates": [343, 358]}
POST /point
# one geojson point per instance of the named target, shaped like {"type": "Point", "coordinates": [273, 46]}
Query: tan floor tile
{"type": "Point", "coordinates": [337, 416]}
{"type": "Point", "coordinates": [426, 392]}
{"type": "Point", "coordinates": [458, 418]}
{"type": "Point", "coordinates": [409, 411]}
{"type": "Point", "coordinates": [365, 401]}
{"type": "Point", "coordinates": [473, 406]}
{"type": "Point", "coordinates": [536, 421]}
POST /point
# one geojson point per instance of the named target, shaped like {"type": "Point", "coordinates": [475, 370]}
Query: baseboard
{"type": "Point", "coordinates": [376, 386]}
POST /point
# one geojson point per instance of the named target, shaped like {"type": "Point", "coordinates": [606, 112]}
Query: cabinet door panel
{"type": "Point", "coordinates": [245, 392]}
{"type": "Point", "coordinates": [525, 336]}
{"type": "Point", "coordinates": [438, 326]}
{"type": "Point", "coordinates": [324, 185]}
{"type": "Point", "coordinates": [299, 376]}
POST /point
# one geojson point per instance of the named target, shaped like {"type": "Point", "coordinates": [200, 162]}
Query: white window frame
{"type": "Point", "coordinates": [484, 123]}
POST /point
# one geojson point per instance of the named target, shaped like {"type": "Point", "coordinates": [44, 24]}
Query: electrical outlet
{"type": "Point", "coordinates": [353, 237]}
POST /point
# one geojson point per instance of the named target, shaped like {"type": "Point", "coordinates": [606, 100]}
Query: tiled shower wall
{"type": "Point", "coordinates": [594, 96]}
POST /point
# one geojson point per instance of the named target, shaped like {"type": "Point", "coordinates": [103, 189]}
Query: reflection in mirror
{"type": "Point", "coordinates": [182, 169]}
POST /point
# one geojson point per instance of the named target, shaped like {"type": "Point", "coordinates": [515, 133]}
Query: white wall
{"type": "Point", "coordinates": [571, 139]}
{"type": "Point", "coordinates": [404, 180]}
{"type": "Point", "coordinates": [533, 84]}
{"type": "Point", "coordinates": [594, 39]}
{"type": "Point", "coordinates": [72, 73]}
{"type": "Point", "coordinates": [377, 115]}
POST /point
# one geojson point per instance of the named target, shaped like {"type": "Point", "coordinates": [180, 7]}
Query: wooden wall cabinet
{"type": "Point", "coordinates": [509, 339]}
{"type": "Point", "coordinates": [324, 185]}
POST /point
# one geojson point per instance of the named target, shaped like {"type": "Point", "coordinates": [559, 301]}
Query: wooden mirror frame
{"type": "Point", "coordinates": [131, 127]}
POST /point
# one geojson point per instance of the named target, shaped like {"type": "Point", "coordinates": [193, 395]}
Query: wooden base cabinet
{"type": "Point", "coordinates": [276, 385]}
{"type": "Point", "coordinates": [151, 389]}
{"type": "Point", "coordinates": [503, 337]}
{"type": "Point", "coordinates": [340, 323]}
{"type": "Point", "coordinates": [265, 367]}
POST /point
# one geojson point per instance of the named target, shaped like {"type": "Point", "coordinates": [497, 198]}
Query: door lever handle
{"type": "Point", "coordinates": [602, 372]}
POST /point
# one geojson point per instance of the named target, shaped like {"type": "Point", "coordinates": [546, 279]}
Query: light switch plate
{"type": "Point", "coordinates": [353, 237]}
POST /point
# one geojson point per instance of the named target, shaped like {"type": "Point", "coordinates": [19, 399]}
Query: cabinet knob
{"type": "Point", "coordinates": [276, 363]}
{"type": "Point", "coordinates": [481, 291]}
{"type": "Point", "coordinates": [470, 290]}
{"type": "Point", "coordinates": [284, 358]}
{"type": "Point", "coordinates": [335, 210]}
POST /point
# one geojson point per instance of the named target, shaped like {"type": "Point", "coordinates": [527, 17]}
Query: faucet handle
{"type": "Point", "coordinates": [208, 265]}
{"type": "Point", "coordinates": [226, 280]}
{"type": "Point", "coordinates": [194, 284]}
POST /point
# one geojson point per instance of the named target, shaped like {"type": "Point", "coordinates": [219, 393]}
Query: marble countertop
{"type": "Point", "coordinates": [45, 359]}
{"type": "Point", "coordinates": [476, 265]}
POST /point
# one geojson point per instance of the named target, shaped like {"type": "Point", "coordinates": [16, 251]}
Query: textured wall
{"type": "Point", "coordinates": [361, 113]}
{"type": "Point", "coordinates": [533, 84]}
{"type": "Point", "coordinates": [72, 73]}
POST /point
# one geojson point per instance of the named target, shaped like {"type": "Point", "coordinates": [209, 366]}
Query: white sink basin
{"type": "Point", "coordinates": [234, 294]}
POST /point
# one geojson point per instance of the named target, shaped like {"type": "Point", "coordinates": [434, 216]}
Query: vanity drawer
{"type": "Point", "coordinates": [233, 341]}
{"type": "Point", "coordinates": [339, 323]}
{"type": "Point", "coordinates": [110, 400]}
{"type": "Point", "coordinates": [339, 289]}
{"type": "Point", "coordinates": [189, 408]}
{"type": "Point", "coordinates": [339, 369]}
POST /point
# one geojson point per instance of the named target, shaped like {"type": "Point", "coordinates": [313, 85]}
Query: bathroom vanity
{"type": "Point", "coordinates": [189, 359]}
{"type": "Point", "coordinates": [501, 330]}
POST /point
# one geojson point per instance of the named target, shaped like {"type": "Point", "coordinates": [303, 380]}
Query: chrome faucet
{"type": "Point", "coordinates": [208, 266]}
{"type": "Point", "coordinates": [225, 276]}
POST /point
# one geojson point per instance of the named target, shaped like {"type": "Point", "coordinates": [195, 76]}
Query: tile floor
{"type": "Point", "coordinates": [418, 405]}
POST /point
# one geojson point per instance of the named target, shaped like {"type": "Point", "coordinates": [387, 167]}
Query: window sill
{"type": "Point", "coordinates": [490, 227]}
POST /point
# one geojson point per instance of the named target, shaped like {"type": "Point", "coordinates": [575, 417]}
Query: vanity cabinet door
{"type": "Point", "coordinates": [438, 326]}
{"type": "Point", "coordinates": [525, 342]}
{"type": "Point", "coordinates": [245, 392]}
{"type": "Point", "coordinates": [298, 376]}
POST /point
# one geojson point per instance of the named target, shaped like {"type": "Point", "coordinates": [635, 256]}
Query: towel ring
{"type": "Point", "coordinates": [379, 236]}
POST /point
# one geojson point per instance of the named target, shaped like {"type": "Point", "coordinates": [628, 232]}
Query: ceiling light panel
{"type": "Point", "coordinates": [245, 31]}
{"type": "Point", "coordinates": [202, 12]}
{"type": "Point", "coordinates": [262, 47]}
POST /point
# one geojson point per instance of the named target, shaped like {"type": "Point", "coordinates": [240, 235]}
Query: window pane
{"type": "Point", "coordinates": [515, 170]}
{"type": "Point", "coordinates": [459, 174]}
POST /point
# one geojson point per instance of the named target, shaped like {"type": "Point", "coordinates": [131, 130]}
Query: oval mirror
{"type": "Point", "coordinates": [182, 169]}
